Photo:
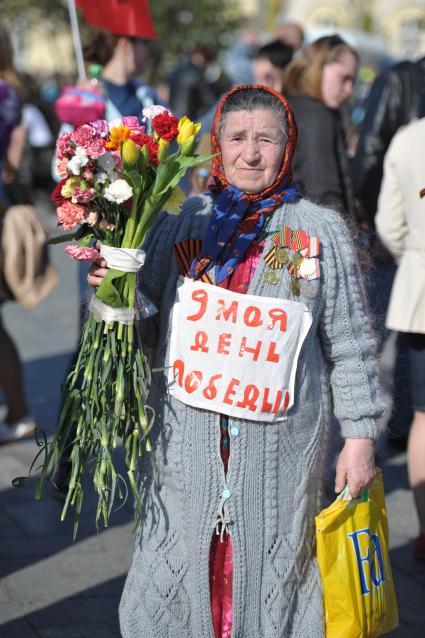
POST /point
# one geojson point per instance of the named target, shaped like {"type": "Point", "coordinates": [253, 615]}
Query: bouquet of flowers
{"type": "Point", "coordinates": [116, 179]}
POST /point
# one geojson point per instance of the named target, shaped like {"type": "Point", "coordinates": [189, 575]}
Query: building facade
{"type": "Point", "coordinates": [401, 23]}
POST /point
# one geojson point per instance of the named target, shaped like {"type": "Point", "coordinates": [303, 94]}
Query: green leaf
{"type": "Point", "coordinates": [60, 239]}
{"type": "Point", "coordinates": [108, 292]}
{"type": "Point", "coordinates": [195, 160]}
{"type": "Point", "coordinates": [167, 174]}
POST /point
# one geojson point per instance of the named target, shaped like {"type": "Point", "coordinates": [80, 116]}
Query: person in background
{"type": "Point", "coordinates": [41, 135]}
{"type": "Point", "coordinates": [191, 93]}
{"type": "Point", "coordinates": [17, 422]}
{"type": "Point", "coordinates": [122, 57]}
{"type": "Point", "coordinates": [318, 82]}
{"type": "Point", "coordinates": [397, 97]}
{"type": "Point", "coordinates": [268, 66]}
{"type": "Point", "coordinates": [237, 60]}
{"type": "Point", "coordinates": [400, 223]}
{"type": "Point", "coordinates": [270, 63]}
{"type": "Point", "coordinates": [290, 33]}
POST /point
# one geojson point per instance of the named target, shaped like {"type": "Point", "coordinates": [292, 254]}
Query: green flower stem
{"type": "Point", "coordinates": [131, 223]}
{"type": "Point", "coordinates": [150, 211]}
{"type": "Point", "coordinates": [105, 394]}
{"type": "Point", "coordinates": [86, 331]}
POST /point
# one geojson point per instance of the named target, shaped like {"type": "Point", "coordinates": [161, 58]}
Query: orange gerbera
{"type": "Point", "coordinates": [117, 136]}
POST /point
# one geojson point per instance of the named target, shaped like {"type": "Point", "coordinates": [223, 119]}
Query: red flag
{"type": "Point", "coordinates": [123, 17]}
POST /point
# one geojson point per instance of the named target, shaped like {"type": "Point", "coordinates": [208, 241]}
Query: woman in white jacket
{"type": "Point", "coordinates": [400, 223]}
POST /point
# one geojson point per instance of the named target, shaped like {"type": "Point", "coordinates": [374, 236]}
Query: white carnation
{"type": "Point", "coordinates": [101, 178]}
{"type": "Point", "coordinates": [152, 111]}
{"type": "Point", "coordinates": [118, 192]}
{"type": "Point", "coordinates": [79, 160]}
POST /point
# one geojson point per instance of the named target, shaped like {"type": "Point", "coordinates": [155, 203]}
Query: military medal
{"type": "Point", "coordinates": [271, 276]}
{"type": "Point", "coordinates": [297, 252]}
{"type": "Point", "coordinates": [295, 287]}
{"type": "Point", "coordinates": [281, 255]}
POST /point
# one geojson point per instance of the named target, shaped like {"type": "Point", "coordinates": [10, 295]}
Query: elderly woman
{"type": "Point", "coordinates": [235, 477]}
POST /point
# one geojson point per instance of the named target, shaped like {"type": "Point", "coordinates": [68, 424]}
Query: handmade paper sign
{"type": "Point", "coordinates": [235, 354]}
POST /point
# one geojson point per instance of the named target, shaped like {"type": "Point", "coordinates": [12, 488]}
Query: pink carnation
{"type": "Point", "coordinates": [100, 127]}
{"type": "Point", "coordinates": [61, 166]}
{"type": "Point", "coordinates": [106, 225]}
{"type": "Point", "coordinates": [95, 148]}
{"type": "Point", "coordinates": [87, 137]}
{"type": "Point", "coordinates": [69, 215]}
{"type": "Point", "coordinates": [83, 195]}
{"type": "Point", "coordinates": [131, 122]}
{"type": "Point", "coordinates": [91, 217]}
{"type": "Point", "coordinates": [63, 146]}
{"type": "Point", "coordinates": [82, 254]}
{"type": "Point", "coordinates": [83, 135]}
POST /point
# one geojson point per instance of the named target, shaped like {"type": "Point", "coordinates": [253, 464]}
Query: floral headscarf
{"type": "Point", "coordinates": [239, 217]}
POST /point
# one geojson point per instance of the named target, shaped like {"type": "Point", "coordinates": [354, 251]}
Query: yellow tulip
{"type": "Point", "coordinates": [174, 203]}
{"type": "Point", "coordinates": [162, 149]}
{"type": "Point", "coordinates": [187, 129]}
{"type": "Point", "coordinates": [130, 152]}
{"type": "Point", "coordinates": [188, 146]}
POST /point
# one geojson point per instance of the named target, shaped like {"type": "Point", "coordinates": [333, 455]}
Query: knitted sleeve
{"type": "Point", "coordinates": [159, 255]}
{"type": "Point", "coordinates": [346, 335]}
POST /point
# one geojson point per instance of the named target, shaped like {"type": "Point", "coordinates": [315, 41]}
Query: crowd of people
{"type": "Point", "coordinates": [286, 155]}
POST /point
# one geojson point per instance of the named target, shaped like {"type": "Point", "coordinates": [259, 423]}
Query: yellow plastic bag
{"type": "Point", "coordinates": [352, 552]}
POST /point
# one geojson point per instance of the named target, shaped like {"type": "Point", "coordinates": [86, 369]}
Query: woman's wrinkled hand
{"type": "Point", "coordinates": [355, 466]}
{"type": "Point", "coordinates": [97, 272]}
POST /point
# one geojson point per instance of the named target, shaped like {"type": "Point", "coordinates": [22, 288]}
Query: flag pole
{"type": "Point", "coordinates": [77, 41]}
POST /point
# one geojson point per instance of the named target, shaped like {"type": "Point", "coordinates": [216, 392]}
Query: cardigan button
{"type": "Point", "coordinates": [225, 495]}
{"type": "Point", "coordinates": [234, 431]}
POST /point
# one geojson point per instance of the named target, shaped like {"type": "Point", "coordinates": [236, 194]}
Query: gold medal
{"type": "Point", "coordinates": [271, 276]}
{"type": "Point", "coordinates": [281, 255]}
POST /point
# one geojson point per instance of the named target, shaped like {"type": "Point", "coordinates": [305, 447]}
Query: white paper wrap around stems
{"type": "Point", "coordinates": [125, 260]}
{"type": "Point", "coordinates": [108, 314]}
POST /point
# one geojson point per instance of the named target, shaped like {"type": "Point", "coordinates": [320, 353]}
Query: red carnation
{"type": "Point", "coordinates": [56, 195]}
{"type": "Point", "coordinates": [166, 126]}
{"type": "Point", "coordinates": [141, 139]}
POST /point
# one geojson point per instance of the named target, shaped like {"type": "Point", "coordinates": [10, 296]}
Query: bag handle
{"type": "Point", "coordinates": [345, 495]}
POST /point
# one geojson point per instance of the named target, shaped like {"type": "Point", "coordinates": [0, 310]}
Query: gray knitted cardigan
{"type": "Point", "coordinates": [276, 470]}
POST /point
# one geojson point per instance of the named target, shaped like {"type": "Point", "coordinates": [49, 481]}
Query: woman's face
{"type": "Point", "coordinates": [338, 79]}
{"type": "Point", "coordinates": [252, 147]}
{"type": "Point", "coordinates": [267, 74]}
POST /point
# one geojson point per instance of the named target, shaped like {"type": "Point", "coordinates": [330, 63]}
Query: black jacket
{"type": "Point", "coordinates": [321, 162]}
{"type": "Point", "coordinates": [397, 96]}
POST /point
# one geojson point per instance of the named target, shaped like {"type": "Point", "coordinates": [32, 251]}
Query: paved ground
{"type": "Point", "coordinates": [53, 588]}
